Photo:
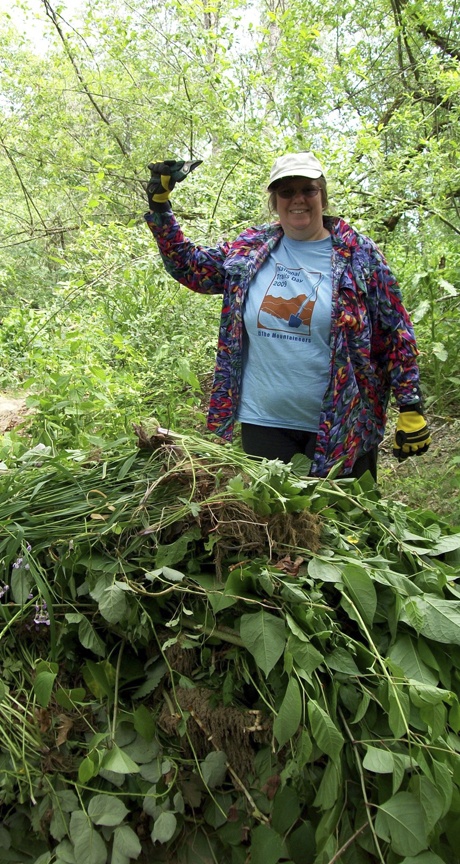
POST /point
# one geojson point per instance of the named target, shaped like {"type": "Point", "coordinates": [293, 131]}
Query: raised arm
{"type": "Point", "coordinates": [198, 267]}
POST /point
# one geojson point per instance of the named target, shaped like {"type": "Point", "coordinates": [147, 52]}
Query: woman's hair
{"type": "Point", "coordinates": [321, 183]}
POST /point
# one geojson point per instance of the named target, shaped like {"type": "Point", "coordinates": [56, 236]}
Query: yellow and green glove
{"type": "Point", "coordinates": [164, 176]}
{"type": "Point", "coordinates": [412, 436]}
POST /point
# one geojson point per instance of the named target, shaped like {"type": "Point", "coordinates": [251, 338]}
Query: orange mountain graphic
{"type": "Point", "coordinates": [297, 307]}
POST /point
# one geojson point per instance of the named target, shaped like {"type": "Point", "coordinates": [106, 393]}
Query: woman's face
{"type": "Point", "coordinates": [300, 208]}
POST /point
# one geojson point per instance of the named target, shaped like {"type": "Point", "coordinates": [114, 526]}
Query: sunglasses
{"type": "Point", "coordinates": [289, 191]}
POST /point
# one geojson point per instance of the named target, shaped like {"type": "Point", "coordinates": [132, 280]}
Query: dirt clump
{"type": "Point", "coordinates": [214, 726]}
{"type": "Point", "coordinates": [13, 412]}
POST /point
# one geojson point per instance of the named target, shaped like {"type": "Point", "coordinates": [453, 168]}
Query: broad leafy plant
{"type": "Point", "coordinates": [208, 658]}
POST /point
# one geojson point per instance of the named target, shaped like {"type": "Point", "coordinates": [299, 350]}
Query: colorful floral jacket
{"type": "Point", "coordinates": [372, 346]}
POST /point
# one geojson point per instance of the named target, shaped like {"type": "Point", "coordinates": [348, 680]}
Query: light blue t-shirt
{"type": "Point", "coordinates": [287, 324]}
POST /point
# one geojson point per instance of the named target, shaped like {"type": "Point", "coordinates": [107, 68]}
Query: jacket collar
{"type": "Point", "coordinates": [256, 244]}
{"type": "Point", "coordinates": [253, 246]}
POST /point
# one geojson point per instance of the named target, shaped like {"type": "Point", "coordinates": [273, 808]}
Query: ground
{"type": "Point", "coordinates": [431, 481]}
{"type": "Point", "coordinates": [12, 412]}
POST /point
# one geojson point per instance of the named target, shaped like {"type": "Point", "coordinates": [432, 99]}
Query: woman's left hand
{"type": "Point", "coordinates": [412, 435]}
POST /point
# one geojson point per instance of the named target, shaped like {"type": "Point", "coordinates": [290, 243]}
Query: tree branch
{"type": "Point", "coordinates": [27, 196]}
{"type": "Point", "coordinates": [438, 40]}
{"type": "Point", "coordinates": [52, 15]}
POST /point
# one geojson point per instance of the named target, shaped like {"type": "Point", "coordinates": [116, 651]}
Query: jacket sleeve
{"type": "Point", "coordinates": [200, 268]}
{"type": "Point", "coordinates": [393, 340]}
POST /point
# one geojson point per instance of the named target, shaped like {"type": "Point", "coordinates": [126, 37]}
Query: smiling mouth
{"type": "Point", "coordinates": [299, 211]}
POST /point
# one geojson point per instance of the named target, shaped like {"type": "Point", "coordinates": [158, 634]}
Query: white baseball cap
{"type": "Point", "coordinates": [296, 165]}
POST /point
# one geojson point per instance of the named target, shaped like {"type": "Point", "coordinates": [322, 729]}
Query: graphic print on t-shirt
{"type": "Point", "coordinates": [290, 300]}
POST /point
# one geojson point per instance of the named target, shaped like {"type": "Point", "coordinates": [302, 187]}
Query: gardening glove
{"type": "Point", "coordinates": [164, 176]}
{"type": "Point", "coordinates": [412, 435]}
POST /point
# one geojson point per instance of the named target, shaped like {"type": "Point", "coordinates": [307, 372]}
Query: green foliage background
{"type": "Point", "coordinates": [90, 94]}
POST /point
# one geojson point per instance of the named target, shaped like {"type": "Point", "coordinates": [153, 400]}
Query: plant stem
{"type": "Point", "coordinates": [348, 843]}
{"type": "Point", "coordinates": [233, 638]}
{"type": "Point", "coordinates": [363, 787]}
{"type": "Point", "coordinates": [116, 689]}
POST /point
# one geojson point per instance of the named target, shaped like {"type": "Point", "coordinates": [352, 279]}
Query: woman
{"type": "Point", "coordinates": [313, 333]}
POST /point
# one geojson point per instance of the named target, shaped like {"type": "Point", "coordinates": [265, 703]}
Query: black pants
{"type": "Point", "coordinates": [275, 443]}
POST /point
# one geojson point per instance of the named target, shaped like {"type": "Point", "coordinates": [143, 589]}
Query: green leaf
{"type": "Point", "coordinates": [401, 821]}
{"type": "Point", "coordinates": [405, 654]}
{"type": "Point", "coordinates": [327, 825]}
{"type": "Point", "coordinates": [164, 828]}
{"type": "Point", "coordinates": [438, 619]}
{"type": "Point", "coordinates": [215, 811]}
{"type": "Point", "coordinates": [127, 465]}
{"type": "Point", "coordinates": [67, 800]}
{"type": "Point", "coordinates": [361, 591]}
{"type": "Point", "coordinates": [324, 571]}
{"type": "Point", "coordinates": [187, 375]}
{"type": "Point", "coordinates": [430, 798]}
{"type": "Point", "coordinates": [399, 713]}
{"type": "Point", "coordinates": [378, 760]}
{"type": "Point", "coordinates": [439, 351]}
{"type": "Point", "coordinates": [426, 694]}
{"type": "Point", "coordinates": [289, 715]}
{"type": "Point", "coordinates": [306, 657]}
{"type": "Point", "coordinates": [59, 825]}
{"type": "Point", "coordinates": [266, 845]}
{"type": "Point", "coordinates": [301, 465]}
{"type": "Point", "coordinates": [150, 802]}
{"type": "Point", "coordinates": [362, 708]}
{"type": "Point", "coordinates": [324, 731]}
{"type": "Point", "coordinates": [43, 687]}
{"type": "Point", "coordinates": [295, 629]}
{"type": "Point", "coordinates": [100, 678]}
{"type": "Point", "coordinates": [118, 762]}
{"type": "Point", "coordinates": [300, 840]}
{"type": "Point", "coordinates": [287, 807]}
{"type": "Point", "coordinates": [144, 722]}
{"type": "Point", "coordinates": [419, 313]}
{"type": "Point", "coordinates": [126, 845]}
{"type": "Point", "coordinates": [68, 698]}
{"type": "Point", "coordinates": [444, 784]}
{"type": "Point", "coordinates": [449, 543]}
{"type": "Point", "coordinates": [140, 750]}
{"type": "Point", "coordinates": [329, 788]}
{"type": "Point", "coordinates": [174, 553]}
{"type": "Point", "coordinates": [106, 810]}
{"type": "Point", "coordinates": [342, 661]}
{"type": "Point", "coordinates": [402, 763]}
{"type": "Point", "coordinates": [264, 636]}
{"type": "Point", "coordinates": [88, 768]}
{"type": "Point", "coordinates": [152, 771]}
{"type": "Point", "coordinates": [214, 768]}
{"type": "Point", "coordinates": [424, 858]}
{"type": "Point", "coordinates": [448, 287]}
{"type": "Point", "coordinates": [113, 604]}
{"type": "Point", "coordinates": [64, 853]}
{"type": "Point", "coordinates": [21, 583]}
{"type": "Point", "coordinates": [89, 638]}
{"type": "Point", "coordinates": [88, 845]}
{"type": "Point", "coordinates": [173, 575]}
{"type": "Point", "coordinates": [303, 749]}
{"type": "Point", "coordinates": [154, 675]}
